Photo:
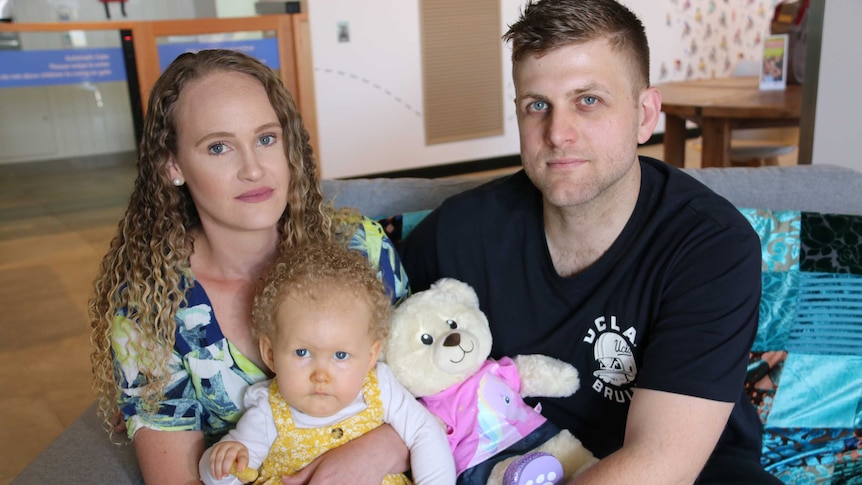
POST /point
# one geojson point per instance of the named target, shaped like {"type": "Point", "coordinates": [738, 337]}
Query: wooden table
{"type": "Point", "coordinates": [719, 106]}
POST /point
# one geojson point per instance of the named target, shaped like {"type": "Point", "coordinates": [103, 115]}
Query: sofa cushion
{"type": "Point", "coordinates": [398, 226]}
{"type": "Point", "coordinates": [805, 371]}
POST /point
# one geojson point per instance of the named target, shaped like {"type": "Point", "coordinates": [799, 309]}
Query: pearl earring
{"type": "Point", "coordinates": [177, 181]}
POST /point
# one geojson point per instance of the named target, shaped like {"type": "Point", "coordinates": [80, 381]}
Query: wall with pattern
{"type": "Point", "coordinates": [694, 39]}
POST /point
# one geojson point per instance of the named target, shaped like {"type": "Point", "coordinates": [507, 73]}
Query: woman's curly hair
{"type": "Point", "coordinates": [314, 273]}
{"type": "Point", "coordinates": [146, 271]}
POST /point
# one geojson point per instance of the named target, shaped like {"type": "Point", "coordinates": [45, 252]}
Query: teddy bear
{"type": "Point", "coordinates": [438, 348]}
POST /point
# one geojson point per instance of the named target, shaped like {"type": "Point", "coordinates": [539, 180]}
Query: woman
{"type": "Point", "coordinates": [226, 181]}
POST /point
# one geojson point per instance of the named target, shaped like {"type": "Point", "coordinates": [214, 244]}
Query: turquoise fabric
{"type": "Point", "coordinates": [805, 371]}
{"type": "Point", "coordinates": [816, 393]}
{"type": "Point", "coordinates": [398, 226]}
{"type": "Point", "coordinates": [777, 310]}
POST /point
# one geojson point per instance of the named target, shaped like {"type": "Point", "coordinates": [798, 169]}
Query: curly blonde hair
{"type": "Point", "coordinates": [146, 270]}
{"type": "Point", "coordinates": [313, 272]}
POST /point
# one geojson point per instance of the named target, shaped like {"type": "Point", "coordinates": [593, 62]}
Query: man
{"type": "Point", "coordinates": [637, 274]}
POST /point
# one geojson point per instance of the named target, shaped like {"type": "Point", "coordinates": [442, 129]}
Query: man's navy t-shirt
{"type": "Point", "coordinates": [671, 306]}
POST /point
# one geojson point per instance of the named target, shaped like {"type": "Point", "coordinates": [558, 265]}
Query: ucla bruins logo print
{"type": "Point", "coordinates": [615, 363]}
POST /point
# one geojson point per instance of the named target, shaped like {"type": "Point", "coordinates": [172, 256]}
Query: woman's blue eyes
{"type": "Point", "coordinates": [220, 148]}
{"type": "Point", "coordinates": [217, 148]}
{"type": "Point", "coordinates": [267, 140]}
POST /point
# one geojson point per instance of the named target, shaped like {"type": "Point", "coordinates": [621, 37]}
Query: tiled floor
{"type": "Point", "coordinates": [56, 221]}
{"type": "Point", "coordinates": [55, 224]}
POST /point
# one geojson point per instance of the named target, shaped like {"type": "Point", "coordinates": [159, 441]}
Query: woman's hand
{"type": "Point", "coordinates": [118, 422]}
{"type": "Point", "coordinates": [363, 461]}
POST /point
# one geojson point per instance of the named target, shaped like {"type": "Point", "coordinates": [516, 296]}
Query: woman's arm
{"type": "Point", "coordinates": [363, 461]}
{"type": "Point", "coordinates": [169, 457]}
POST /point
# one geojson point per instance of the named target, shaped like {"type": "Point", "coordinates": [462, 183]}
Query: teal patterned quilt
{"type": "Point", "coordinates": [805, 371]}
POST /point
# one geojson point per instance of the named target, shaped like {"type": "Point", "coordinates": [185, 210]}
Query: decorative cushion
{"type": "Point", "coordinates": [398, 226]}
{"type": "Point", "coordinates": [805, 371]}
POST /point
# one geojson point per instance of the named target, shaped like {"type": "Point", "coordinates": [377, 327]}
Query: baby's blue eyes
{"type": "Point", "coordinates": [339, 355]}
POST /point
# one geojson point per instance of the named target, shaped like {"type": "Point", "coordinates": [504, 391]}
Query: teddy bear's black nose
{"type": "Point", "coordinates": [452, 340]}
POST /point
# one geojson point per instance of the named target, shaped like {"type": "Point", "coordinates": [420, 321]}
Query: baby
{"type": "Point", "coordinates": [320, 319]}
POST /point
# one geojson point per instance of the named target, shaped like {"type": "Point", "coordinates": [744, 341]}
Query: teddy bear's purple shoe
{"type": "Point", "coordinates": [536, 468]}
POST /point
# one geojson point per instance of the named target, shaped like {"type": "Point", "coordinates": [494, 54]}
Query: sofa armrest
{"type": "Point", "coordinates": [83, 453]}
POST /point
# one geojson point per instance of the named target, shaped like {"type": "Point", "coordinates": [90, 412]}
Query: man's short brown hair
{"type": "Point", "coordinates": [547, 24]}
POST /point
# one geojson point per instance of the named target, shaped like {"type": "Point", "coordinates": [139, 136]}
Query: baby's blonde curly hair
{"type": "Point", "coordinates": [146, 271]}
{"type": "Point", "coordinates": [314, 273]}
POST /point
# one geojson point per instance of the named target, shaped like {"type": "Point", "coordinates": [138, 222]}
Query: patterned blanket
{"type": "Point", "coordinates": [805, 371]}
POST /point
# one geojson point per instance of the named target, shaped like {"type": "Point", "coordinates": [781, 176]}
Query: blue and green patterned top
{"type": "Point", "coordinates": [208, 374]}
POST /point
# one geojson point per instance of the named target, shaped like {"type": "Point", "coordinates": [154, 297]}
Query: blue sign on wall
{"type": "Point", "coordinates": [76, 66]}
{"type": "Point", "coordinates": [65, 66]}
{"type": "Point", "coordinates": [265, 50]}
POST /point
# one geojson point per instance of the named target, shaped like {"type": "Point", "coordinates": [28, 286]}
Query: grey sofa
{"type": "Point", "coordinates": [83, 453]}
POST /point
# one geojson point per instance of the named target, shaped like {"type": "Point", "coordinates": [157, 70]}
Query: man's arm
{"type": "Point", "coordinates": [668, 439]}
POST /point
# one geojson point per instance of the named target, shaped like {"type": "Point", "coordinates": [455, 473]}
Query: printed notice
{"type": "Point", "coordinates": [265, 50]}
{"type": "Point", "coordinates": [66, 66]}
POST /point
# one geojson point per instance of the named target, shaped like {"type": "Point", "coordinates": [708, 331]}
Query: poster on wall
{"type": "Point", "coordinates": [773, 71]}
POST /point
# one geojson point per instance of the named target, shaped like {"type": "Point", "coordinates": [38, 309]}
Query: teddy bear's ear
{"type": "Point", "coordinates": [458, 290]}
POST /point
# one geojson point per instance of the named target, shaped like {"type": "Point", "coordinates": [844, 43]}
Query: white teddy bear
{"type": "Point", "coordinates": [438, 348]}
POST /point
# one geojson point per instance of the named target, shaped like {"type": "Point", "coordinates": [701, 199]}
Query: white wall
{"type": "Point", "coordinates": [369, 90]}
{"type": "Point", "coordinates": [837, 129]}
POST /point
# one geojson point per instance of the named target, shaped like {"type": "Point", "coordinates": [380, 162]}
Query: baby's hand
{"type": "Point", "coordinates": [231, 457]}
{"type": "Point", "coordinates": [247, 475]}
